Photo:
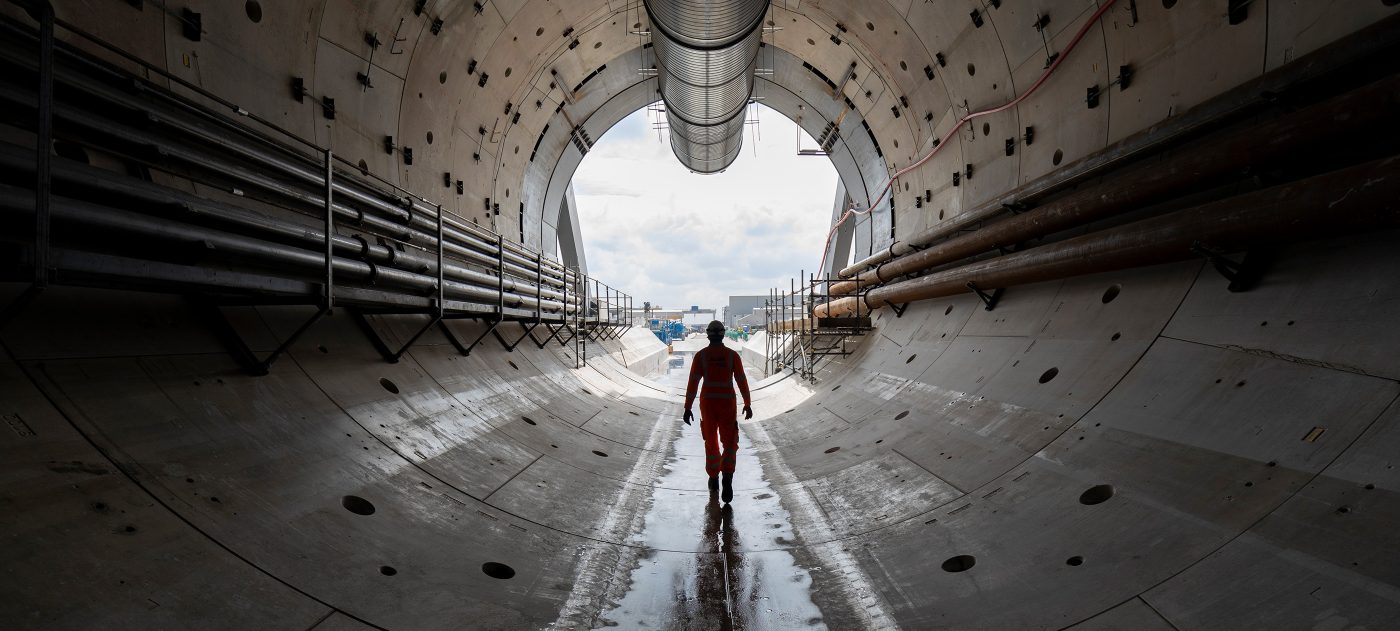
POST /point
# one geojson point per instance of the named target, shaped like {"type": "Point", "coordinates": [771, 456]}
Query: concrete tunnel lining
{"type": "Point", "coordinates": [933, 479]}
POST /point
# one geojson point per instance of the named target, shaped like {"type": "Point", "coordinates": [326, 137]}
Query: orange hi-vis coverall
{"type": "Point", "coordinates": [719, 423]}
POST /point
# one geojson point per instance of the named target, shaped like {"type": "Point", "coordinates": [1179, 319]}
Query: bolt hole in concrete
{"type": "Point", "coordinates": [1111, 293]}
{"type": "Point", "coordinates": [1046, 376]}
{"type": "Point", "coordinates": [971, 69]}
{"type": "Point", "coordinates": [901, 415]}
{"type": "Point", "coordinates": [832, 450]}
{"type": "Point", "coordinates": [387, 570]}
{"type": "Point", "coordinates": [1115, 337]}
{"type": "Point", "coordinates": [254, 10]}
{"type": "Point", "coordinates": [357, 505]}
{"type": "Point", "coordinates": [911, 358]}
{"type": "Point", "coordinates": [1344, 510]}
{"type": "Point", "coordinates": [1075, 561]}
{"type": "Point", "coordinates": [364, 168]}
{"type": "Point", "coordinates": [512, 364]}
{"type": "Point", "coordinates": [388, 385]}
{"type": "Point", "coordinates": [1096, 494]}
{"type": "Point", "coordinates": [507, 72]}
{"type": "Point", "coordinates": [498, 570]}
{"type": "Point", "coordinates": [960, 563]}
{"type": "Point", "coordinates": [442, 77]}
{"type": "Point", "coordinates": [599, 453]}
{"type": "Point", "coordinates": [835, 388]}
{"type": "Point", "coordinates": [430, 138]}
{"type": "Point", "coordinates": [528, 420]}
{"type": "Point", "coordinates": [986, 129]}
{"type": "Point", "coordinates": [1167, 4]}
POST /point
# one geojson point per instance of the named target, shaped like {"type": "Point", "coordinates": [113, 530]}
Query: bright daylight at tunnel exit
{"type": "Point", "coordinates": [700, 314]}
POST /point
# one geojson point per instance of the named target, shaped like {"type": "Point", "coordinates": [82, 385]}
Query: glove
{"type": "Point", "coordinates": [687, 416]}
{"type": "Point", "coordinates": [748, 412]}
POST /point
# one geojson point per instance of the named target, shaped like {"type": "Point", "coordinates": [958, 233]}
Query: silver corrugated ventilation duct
{"type": "Point", "coordinates": [706, 53]}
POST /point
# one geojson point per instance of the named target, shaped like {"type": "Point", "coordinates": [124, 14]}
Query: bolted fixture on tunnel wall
{"type": "Point", "coordinates": [706, 53]}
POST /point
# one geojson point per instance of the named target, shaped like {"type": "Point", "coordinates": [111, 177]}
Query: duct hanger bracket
{"type": "Point", "coordinates": [1243, 275]}
{"type": "Point", "coordinates": [990, 300]}
{"type": "Point", "coordinates": [898, 309]}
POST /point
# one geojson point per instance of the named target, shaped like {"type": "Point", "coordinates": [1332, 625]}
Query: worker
{"type": "Point", "coordinates": [720, 367]}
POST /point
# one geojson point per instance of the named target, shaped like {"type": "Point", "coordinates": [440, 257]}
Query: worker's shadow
{"type": "Point", "coordinates": [719, 568]}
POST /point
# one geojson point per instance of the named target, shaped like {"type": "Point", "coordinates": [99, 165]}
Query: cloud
{"type": "Point", "coordinates": [665, 235]}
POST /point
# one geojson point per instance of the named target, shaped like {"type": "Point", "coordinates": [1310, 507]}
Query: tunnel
{"type": "Point", "coordinates": [298, 331]}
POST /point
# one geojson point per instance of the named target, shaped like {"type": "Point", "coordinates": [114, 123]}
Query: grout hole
{"type": "Point", "coordinates": [528, 420]}
{"type": "Point", "coordinates": [832, 450]}
{"type": "Point", "coordinates": [960, 563]}
{"type": "Point", "coordinates": [1046, 376]}
{"type": "Point", "coordinates": [387, 570]}
{"type": "Point", "coordinates": [599, 453]}
{"type": "Point", "coordinates": [498, 570]}
{"type": "Point", "coordinates": [901, 415]}
{"type": "Point", "coordinates": [1075, 561]}
{"type": "Point", "coordinates": [357, 505]}
{"type": "Point", "coordinates": [1096, 495]}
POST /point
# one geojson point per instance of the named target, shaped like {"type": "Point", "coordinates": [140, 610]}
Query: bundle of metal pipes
{"type": "Point", "coordinates": [706, 54]}
{"type": "Point", "coordinates": [377, 244]}
{"type": "Point", "coordinates": [1317, 189]}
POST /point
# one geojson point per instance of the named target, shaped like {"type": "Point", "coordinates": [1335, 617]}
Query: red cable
{"type": "Point", "coordinates": [957, 127]}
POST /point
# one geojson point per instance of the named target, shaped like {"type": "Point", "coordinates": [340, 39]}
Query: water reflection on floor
{"type": "Point", "coordinates": [709, 565]}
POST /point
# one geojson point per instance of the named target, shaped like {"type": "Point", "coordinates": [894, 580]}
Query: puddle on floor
{"type": "Point", "coordinates": [708, 565]}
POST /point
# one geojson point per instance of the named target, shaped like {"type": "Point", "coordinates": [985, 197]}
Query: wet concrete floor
{"type": "Point", "coordinates": [708, 565]}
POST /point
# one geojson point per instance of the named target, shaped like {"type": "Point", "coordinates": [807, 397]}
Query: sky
{"type": "Point", "coordinates": [657, 232]}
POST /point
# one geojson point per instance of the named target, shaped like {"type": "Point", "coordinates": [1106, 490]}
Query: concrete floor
{"type": "Point", "coordinates": [1184, 465]}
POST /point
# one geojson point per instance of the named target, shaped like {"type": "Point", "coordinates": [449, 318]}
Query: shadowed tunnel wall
{"type": "Point", "coordinates": [1131, 450]}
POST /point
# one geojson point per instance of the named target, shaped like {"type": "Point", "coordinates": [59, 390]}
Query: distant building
{"type": "Point", "coordinates": [740, 306]}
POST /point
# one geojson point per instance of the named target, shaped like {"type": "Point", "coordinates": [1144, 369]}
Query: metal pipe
{"type": "Point", "coordinates": [1209, 163]}
{"type": "Point", "coordinates": [1374, 41]}
{"type": "Point", "coordinates": [112, 187]}
{"type": "Point", "coordinates": [330, 231]}
{"type": "Point", "coordinates": [43, 183]}
{"type": "Point", "coordinates": [1364, 197]}
{"type": "Point", "coordinates": [110, 221]}
{"type": "Point", "coordinates": [400, 223]}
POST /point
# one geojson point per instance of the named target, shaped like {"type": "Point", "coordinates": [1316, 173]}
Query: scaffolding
{"type": "Point", "coordinates": [797, 341]}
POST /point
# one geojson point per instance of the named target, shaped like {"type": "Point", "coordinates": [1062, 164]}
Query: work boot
{"type": "Point", "coordinates": [728, 493]}
{"type": "Point", "coordinates": [714, 483]}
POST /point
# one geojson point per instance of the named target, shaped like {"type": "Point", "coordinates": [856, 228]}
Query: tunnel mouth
{"type": "Point", "coordinates": [357, 505]}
